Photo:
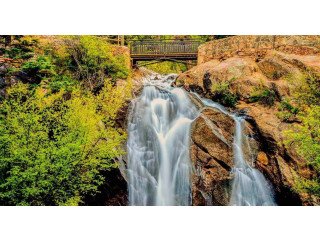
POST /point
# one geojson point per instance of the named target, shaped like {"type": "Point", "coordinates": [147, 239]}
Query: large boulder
{"type": "Point", "coordinates": [243, 74]}
{"type": "Point", "coordinates": [229, 69]}
{"type": "Point", "coordinates": [212, 158]}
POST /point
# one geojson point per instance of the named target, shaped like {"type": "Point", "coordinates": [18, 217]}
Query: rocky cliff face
{"type": "Point", "coordinates": [211, 153]}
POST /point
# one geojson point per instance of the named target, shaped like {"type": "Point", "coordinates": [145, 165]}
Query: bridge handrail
{"type": "Point", "coordinates": [152, 47]}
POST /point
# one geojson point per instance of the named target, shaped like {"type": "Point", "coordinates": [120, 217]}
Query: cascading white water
{"type": "Point", "coordinates": [249, 188]}
{"type": "Point", "coordinates": [158, 145]}
{"type": "Point", "coordinates": [158, 150]}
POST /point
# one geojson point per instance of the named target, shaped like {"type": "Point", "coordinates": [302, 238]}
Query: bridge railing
{"type": "Point", "coordinates": [174, 47]}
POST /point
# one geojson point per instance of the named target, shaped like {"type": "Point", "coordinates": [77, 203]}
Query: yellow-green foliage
{"type": "Point", "coordinates": [287, 112]}
{"type": "Point", "coordinates": [306, 185]}
{"type": "Point", "coordinates": [93, 59]}
{"type": "Point", "coordinates": [111, 99]}
{"type": "Point", "coordinates": [167, 67]}
{"type": "Point", "coordinates": [54, 150]}
{"type": "Point", "coordinates": [263, 95]}
{"type": "Point", "coordinates": [305, 138]}
{"type": "Point", "coordinates": [305, 88]}
{"type": "Point", "coordinates": [87, 59]}
{"type": "Point", "coordinates": [222, 94]}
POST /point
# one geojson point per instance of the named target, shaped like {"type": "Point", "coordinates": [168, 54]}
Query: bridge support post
{"type": "Point", "coordinates": [133, 63]}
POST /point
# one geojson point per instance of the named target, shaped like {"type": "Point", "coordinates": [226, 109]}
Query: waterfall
{"type": "Point", "coordinates": [249, 187]}
{"type": "Point", "coordinates": [159, 167]}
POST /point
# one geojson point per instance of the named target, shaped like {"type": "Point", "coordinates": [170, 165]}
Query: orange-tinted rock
{"type": "Point", "coordinates": [212, 158]}
{"type": "Point", "coordinates": [262, 158]}
{"type": "Point", "coordinates": [248, 71]}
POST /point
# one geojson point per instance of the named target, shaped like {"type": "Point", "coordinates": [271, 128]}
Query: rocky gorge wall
{"type": "Point", "coordinates": [244, 76]}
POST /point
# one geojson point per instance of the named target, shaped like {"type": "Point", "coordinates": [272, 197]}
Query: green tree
{"type": "Point", "coordinates": [53, 150]}
{"type": "Point", "coordinates": [93, 60]}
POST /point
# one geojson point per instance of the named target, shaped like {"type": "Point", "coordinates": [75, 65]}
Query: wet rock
{"type": "Point", "coordinates": [212, 158]}
{"type": "Point", "coordinates": [195, 88]}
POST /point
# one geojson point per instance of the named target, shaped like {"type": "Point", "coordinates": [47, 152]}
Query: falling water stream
{"type": "Point", "coordinates": [249, 188]}
{"type": "Point", "coordinates": [158, 146]}
{"type": "Point", "coordinates": [159, 167]}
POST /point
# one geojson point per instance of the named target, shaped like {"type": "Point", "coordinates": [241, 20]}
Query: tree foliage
{"type": "Point", "coordinates": [92, 59]}
{"type": "Point", "coordinates": [305, 138]}
{"type": "Point", "coordinates": [52, 148]}
{"type": "Point", "coordinates": [167, 67]}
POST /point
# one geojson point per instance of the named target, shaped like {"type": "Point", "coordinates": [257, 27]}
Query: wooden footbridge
{"type": "Point", "coordinates": [164, 50]}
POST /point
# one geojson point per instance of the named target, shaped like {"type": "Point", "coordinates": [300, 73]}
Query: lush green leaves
{"type": "Point", "coordinates": [305, 88]}
{"type": "Point", "coordinates": [264, 95]}
{"type": "Point", "coordinates": [306, 137]}
{"type": "Point", "coordinates": [94, 59]}
{"type": "Point", "coordinates": [287, 112]}
{"type": "Point", "coordinates": [222, 94]}
{"type": "Point", "coordinates": [53, 150]}
{"type": "Point", "coordinates": [39, 68]}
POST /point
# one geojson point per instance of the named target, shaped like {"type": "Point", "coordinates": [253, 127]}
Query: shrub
{"type": "Point", "coordinates": [21, 49]}
{"type": "Point", "coordinates": [305, 88]}
{"type": "Point", "coordinates": [222, 94]}
{"type": "Point", "coordinates": [305, 139]}
{"type": "Point", "coordinates": [263, 95]}
{"type": "Point", "coordinates": [93, 60]}
{"type": "Point", "coordinates": [287, 112]}
{"type": "Point", "coordinates": [61, 82]}
{"type": "Point", "coordinates": [39, 68]}
{"type": "Point", "coordinates": [307, 185]}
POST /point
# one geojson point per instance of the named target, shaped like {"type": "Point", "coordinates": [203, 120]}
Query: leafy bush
{"type": "Point", "coordinates": [305, 88]}
{"type": "Point", "coordinates": [60, 82]}
{"type": "Point", "coordinates": [21, 49]}
{"type": "Point", "coordinates": [305, 139]}
{"type": "Point", "coordinates": [53, 150]}
{"type": "Point", "coordinates": [222, 94]}
{"type": "Point", "coordinates": [306, 185]}
{"type": "Point", "coordinates": [287, 112]}
{"type": "Point", "coordinates": [17, 53]}
{"type": "Point", "coordinates": [39, 68]}
{"type": "Point", "coordinates": [93, 60]}
{"type": "Point", "coordinates": [263, 95]}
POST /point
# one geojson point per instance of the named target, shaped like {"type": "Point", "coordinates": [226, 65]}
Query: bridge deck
{"type": "Point", "coordinates": [150, 50]}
